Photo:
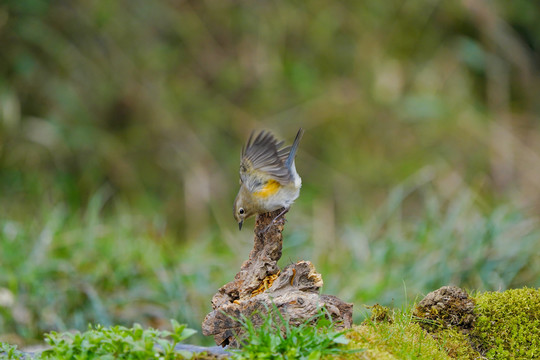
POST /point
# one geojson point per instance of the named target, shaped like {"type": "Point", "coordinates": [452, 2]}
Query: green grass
{"type": "Point", "coordinates": [400, 339]}
{"type": "Point", "coordinates": [451, 237]}
{"type": "Point", "coordinates": [506, 327]}
{"type": "Point", "coordinates": [73, 270]}
{"type": "Point", "coordinates": [121, 125]}
{"type": "Point", "coordinates": [276, 339]}
{"type": "Point", "coordinates": [63, 270]}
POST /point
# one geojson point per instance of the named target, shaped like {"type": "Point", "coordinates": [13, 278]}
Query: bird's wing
{"type": "Point", "coordinates": [263, 160]}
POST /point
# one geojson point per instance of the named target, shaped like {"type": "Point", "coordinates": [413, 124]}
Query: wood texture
{"type": "Point", "coordinates": [295, 290]}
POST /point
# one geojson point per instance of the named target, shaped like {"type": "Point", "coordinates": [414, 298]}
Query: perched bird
{"type": "Point", "coordinates": [268, 177]}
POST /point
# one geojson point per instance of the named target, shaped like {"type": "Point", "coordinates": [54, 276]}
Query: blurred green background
{"type": "Point", "coordinates": [121, 124]}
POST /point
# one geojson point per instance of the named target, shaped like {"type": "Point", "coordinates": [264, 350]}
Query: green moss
{"type": "Point", "coordinates": [456, 344]}
{"type": "Point", "coordinates": [400, 339]}
{"type": "Point", "coordinates": [508, 325]}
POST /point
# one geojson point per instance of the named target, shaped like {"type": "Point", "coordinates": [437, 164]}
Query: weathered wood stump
{"type": "Point", "coordinates": [260, 284]}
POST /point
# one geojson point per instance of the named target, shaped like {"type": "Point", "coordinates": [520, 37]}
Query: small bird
{"type": "Point", "coordinates": [268, 177]}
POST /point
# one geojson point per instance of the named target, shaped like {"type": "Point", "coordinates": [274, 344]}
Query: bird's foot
{"type": "Point", "coordinates": [273, 222]}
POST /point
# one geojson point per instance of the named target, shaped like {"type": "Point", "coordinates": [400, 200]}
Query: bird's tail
{"type": "Point", "coordinates": [294, 147]}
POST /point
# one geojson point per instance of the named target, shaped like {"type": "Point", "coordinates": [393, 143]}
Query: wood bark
{"type": "Point", "coordinates": [294, 291]}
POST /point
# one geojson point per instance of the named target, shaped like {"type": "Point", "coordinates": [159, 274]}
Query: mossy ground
{"type": "Point", "coordinates": [402, 340]}
{"type": "Point", "coordinates": [399, 337]}
{"type": "Point", "coordinates": [507, 327]}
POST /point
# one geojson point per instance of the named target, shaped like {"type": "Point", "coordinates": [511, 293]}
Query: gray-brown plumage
{"type": "Point", "coordinates": [268, 177]}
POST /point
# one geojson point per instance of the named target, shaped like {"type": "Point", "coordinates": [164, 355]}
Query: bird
{"type": "Point", "coordinates": [268, 176]}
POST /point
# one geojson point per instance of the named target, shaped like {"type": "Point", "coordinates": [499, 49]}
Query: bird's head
{"type": "Point", "coordinates": [243, 207]}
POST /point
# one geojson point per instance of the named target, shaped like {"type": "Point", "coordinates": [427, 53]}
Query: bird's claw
{"type": "Point", "coordinates": [273, 222]}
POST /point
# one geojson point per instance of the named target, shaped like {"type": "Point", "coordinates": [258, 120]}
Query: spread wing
{"type": "Point", "coordinates": [262, 160]}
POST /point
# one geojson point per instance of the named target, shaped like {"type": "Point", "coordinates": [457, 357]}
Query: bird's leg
{"type": "Point", "coordinates": [274, 220]}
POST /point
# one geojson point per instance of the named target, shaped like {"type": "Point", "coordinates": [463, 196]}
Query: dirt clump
{"type": "Point", "coordinates": [446, 307]}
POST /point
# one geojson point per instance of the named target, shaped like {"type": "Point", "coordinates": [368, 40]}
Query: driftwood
{"type": "Point", "coordinates": [259, 285]}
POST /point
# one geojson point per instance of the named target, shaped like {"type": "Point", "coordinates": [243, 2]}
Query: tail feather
{"type": "Point", "coordinates": [294, 147]}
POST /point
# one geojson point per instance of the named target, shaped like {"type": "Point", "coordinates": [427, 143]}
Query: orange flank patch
{"type": "Point", "coordinates": [270, 188]}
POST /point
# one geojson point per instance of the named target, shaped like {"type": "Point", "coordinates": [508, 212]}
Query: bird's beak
{"type": "Point", "coordinates": [240, 225]}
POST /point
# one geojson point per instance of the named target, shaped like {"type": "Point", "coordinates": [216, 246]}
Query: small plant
{"type": "Point", "coordinates": [277, 339]}
{"type": "Point", "coordinates": [380, 313]}
{"type": "Point", "coordinates": [118, 342]}
{"type": "Point", "coordinates": [10, 352]}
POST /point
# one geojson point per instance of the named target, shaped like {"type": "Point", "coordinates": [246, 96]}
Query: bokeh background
{"type": "Point", "coordinates": [121, 124]}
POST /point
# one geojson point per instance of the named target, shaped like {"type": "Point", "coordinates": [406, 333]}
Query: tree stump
{"type": "Point", "coordinates": [259, 285]}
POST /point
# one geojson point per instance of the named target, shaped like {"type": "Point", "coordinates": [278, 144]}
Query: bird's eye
{"type": "Point", "coordinates": [241, 211]}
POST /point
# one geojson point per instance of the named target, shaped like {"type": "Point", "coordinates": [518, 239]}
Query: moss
{"type": "Point", "coordinates": [502, 325]}
{"type": "Point", "coordinates": [399, 340]}
{"type": "Point", "coordinates": [508, 325]}
{"type": "Point", "coordinates": [456, 344]}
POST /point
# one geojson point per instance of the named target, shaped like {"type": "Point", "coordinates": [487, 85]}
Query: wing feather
{"type": "Point", "coordinates": [263, 155]}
